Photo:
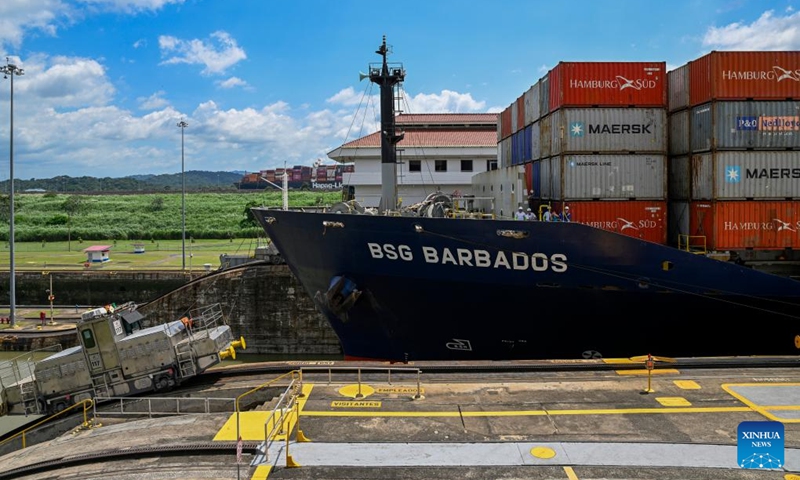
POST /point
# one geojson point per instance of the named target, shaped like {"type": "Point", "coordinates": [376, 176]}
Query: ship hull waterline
{"type": "Point", "coordinates": [449, 289]}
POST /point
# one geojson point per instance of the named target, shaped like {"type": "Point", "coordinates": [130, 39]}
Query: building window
{"type": "Point", "coordinates": [466, 165]}
{"type": "Point", "coordinates": [441, 165]}
{"type": "Point", "coordinates": [415, 166]}
{"type": "Point", "coordinates": [491, 165]}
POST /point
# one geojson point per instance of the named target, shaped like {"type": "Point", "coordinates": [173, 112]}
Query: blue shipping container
{"type": "Point", "coordinates": [527, 154]}
{"type": "Point", "coordinates": [536, 179]}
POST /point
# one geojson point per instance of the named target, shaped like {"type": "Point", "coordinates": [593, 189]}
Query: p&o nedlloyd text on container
{"type": "Point", "coordinates": [601, 177]}
{"type": "Point", "coordinates": [737, 175]}
{"type": "Point", "coordinates": [609, 130]}
{"type": "Point", "coordinates": [532, 104]}
{"type": "Point", "coordinates": [608, 84]}
{"type": "Point", "coordinates": [740, 225]}
{"type": "Point", "coordinates": [678, 88]}
{"type": "Point", "coordinates": [750, 124]}
{"type": "Point", "coordinates": [745, 75]}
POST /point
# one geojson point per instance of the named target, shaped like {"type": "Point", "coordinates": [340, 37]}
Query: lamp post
{"type": "Point", "coordinates": [182, 126]}
{"type": "Point", "coordinates": [11, 70]}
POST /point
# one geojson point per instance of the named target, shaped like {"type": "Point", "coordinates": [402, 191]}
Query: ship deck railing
{"type": "Point", "coordinates": [693, 244]}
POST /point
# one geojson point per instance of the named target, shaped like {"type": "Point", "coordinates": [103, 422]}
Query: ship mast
{"type": "Point", "coordinates": [387, 76]}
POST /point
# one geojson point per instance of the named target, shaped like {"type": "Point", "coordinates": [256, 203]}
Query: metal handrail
{"type": "Point", "coordinates": [87, 404]}
{"type": "Point", "coordinates": [291, 374]}
{"type": "Point", "coordinates": [122, 400]}
{"type": "Point", "coordinates": [358, 370]}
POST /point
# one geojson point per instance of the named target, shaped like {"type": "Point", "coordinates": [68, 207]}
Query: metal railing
{"type": "Point", "coordinates": [163, 406]}
{"type": "Point", "coordinates": [86, 404]}
{"type": "Point", "coordinates": [692, 243]}
{"type": "Point", "coordinates": [358, 370]}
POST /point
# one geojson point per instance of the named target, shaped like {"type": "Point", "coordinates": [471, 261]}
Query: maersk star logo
{"type": "Point", "coordinates": [732, 174]}
{"type": "Point", "coordinates": [576, 129]}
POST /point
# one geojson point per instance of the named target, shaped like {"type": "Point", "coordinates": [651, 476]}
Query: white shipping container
{"type": "Point", "coordinates": [505, 146]}
{"type": "Point", "coordinates": [679, 123]}
{"type": "Point", "coordinates": [546, 182]}
{"type": "Point", "coordinates": [544, 135]}
{"type": "Point", "coordinates": [748, 124]}
{"type": "Point", "coordinates": [603, 177]}
{"type": "Point", "coordinates": [678, 88]}
{"type": "Point", "coordinates": [609, 130]}
{"type": "Point", "coordinates": [514, 116]}
{"type": "Point", "coordinates": [536, 143]}
{"type": "Point", "coordinates": [737, 175]}
{"type": "Point", "coordinates": [532, 106]}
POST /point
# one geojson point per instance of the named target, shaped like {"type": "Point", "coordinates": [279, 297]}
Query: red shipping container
{"type": "Point", "coordinates": [744, 75]}
{"type": "Point", "coordinates": [529, 177]}
{"type": "Point", "coordinates": [505, 123]}
{"type": "Point", "coordinates": [521, 113]}
{"type": "Point", "coordinates": [741, 225]}
{"type": "Point", "coordinates": [646, 220]}
{"type": "Point", "coordinates": [608, 84]}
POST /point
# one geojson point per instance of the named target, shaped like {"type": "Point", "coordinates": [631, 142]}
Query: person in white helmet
{"type": "Point", "coordinates": [529, 215]}
{"type": "Point", "coordinates": [566, 214]}
{"type": "Point", "coordinates": [519, 215]}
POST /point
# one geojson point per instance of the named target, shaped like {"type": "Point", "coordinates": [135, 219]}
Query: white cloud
{"type": "Point", "coordinates": [65, 82]}
{"type": "Point", "coordinates": [154, 101]}
{"type": "Point", "coordinates": [19, 16]}
{"type": "Point", "coordinates": [346, 96]}
{"type": "Point", "coordinates": [445, 102]}
{"type": "Point", "coordinates": [129, 6]}
{"type": "Point", "coordinates": [140, 43]}
{"type": "Point", "coordinates": [232, 82]}
{"type": "Point", "coordinates": [217, 55]}
{"type": "Point", "coordinates": [769, 32]}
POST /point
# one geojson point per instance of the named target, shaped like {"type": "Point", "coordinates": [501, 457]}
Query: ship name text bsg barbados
{"type": "Point", "coordinates": [469, 257]}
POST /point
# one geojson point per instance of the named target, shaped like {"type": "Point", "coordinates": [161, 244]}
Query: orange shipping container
{"type": "Point", "coordinates": [646, 220]}
{"type": "Point", "coordinates": [608, 84]}
{"type": "Point", "coordinates": [741, 225]}
{"type": "Point", "coordinates": [744, 75]}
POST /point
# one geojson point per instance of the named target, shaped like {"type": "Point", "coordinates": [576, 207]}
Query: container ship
{"type": "Point", "coordinates": [427, 283]}
{"type": "Point", "coordinates": [299, 177]}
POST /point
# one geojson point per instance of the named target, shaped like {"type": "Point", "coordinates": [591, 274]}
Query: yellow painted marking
{"type": "Point", "coordinates": [570, 473]}
{"type": "Point", "coordinates": [619, 360]}
{"type": "Point", "coordinates": [673, 401]}
{"type": "Point", "coordinates": [353, 391]}
{"type": "Point", "coordinates": [252, 423]}
{"type": "Point", "coordinates": [531, 413]}
{"type": "Point", "coordinates": [644, 372]}
{"type": "Point", "coordinates": [687, 384]}
{"type": "Point", "coordinates": [262, 472]}
{"type": "Point", "coordinates": [412, 390]}
{"type": "Point", "coordinates": [543, 452]}
{"type": "Point", "coordinates": [790, 476]}
{"type": "Point", "coordinates": [336, 404]}
{"type": "Point", "coordinates": [764, 409]}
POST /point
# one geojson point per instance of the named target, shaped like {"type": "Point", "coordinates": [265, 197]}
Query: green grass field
{"type": "Point", "coordinates": [158, 254]}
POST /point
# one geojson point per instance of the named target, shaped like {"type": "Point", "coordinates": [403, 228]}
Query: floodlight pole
{"type": "Point", "coordinates": [183, 125]}
{"type": "Point", "coordinates": [11, 70]}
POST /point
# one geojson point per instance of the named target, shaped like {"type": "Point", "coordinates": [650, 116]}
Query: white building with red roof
{"type": "Point", "coordinates": [97, 253]}
{"type": "Point", "coordinates": [439, 152]}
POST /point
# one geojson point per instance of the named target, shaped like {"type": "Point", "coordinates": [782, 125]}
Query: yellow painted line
{"type": "Point", "coordinates": [655, 371]}
{"type": "Point", "coordinates": [262, 472]}
{"type": "Point", "coordinates": [626, 361]}
{"type": "Point", "coordinates": [673, 401]}
{"type": "Point", "coordinates": [252, 423]}
{"type": "Point", "coordinates": [531, 413]}
{"type": "Point", "coordinates": [686, 384]}
{"type": "Point", "coordinates": [341, 404]}
{"type": "Point", "coordinates": [570, 473]}
{"type": "Point", "coordinates": [761, 408]}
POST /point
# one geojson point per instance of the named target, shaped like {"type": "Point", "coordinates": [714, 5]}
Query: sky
{"type": "Point", "coordinates": [263, 84]}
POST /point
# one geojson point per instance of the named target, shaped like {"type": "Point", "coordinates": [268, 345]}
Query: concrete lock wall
{"type": "Point", "coordinates": [265, 304]}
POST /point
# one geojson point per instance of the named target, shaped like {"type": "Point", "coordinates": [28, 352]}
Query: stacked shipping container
{"type": "Point", "coordinates": [595, 135]}
{"type": "Point", "coordinates": [734, 167]}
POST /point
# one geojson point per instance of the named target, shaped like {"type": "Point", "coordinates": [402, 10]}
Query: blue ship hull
{"type": "Point", "coordinates": [413, 288]}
